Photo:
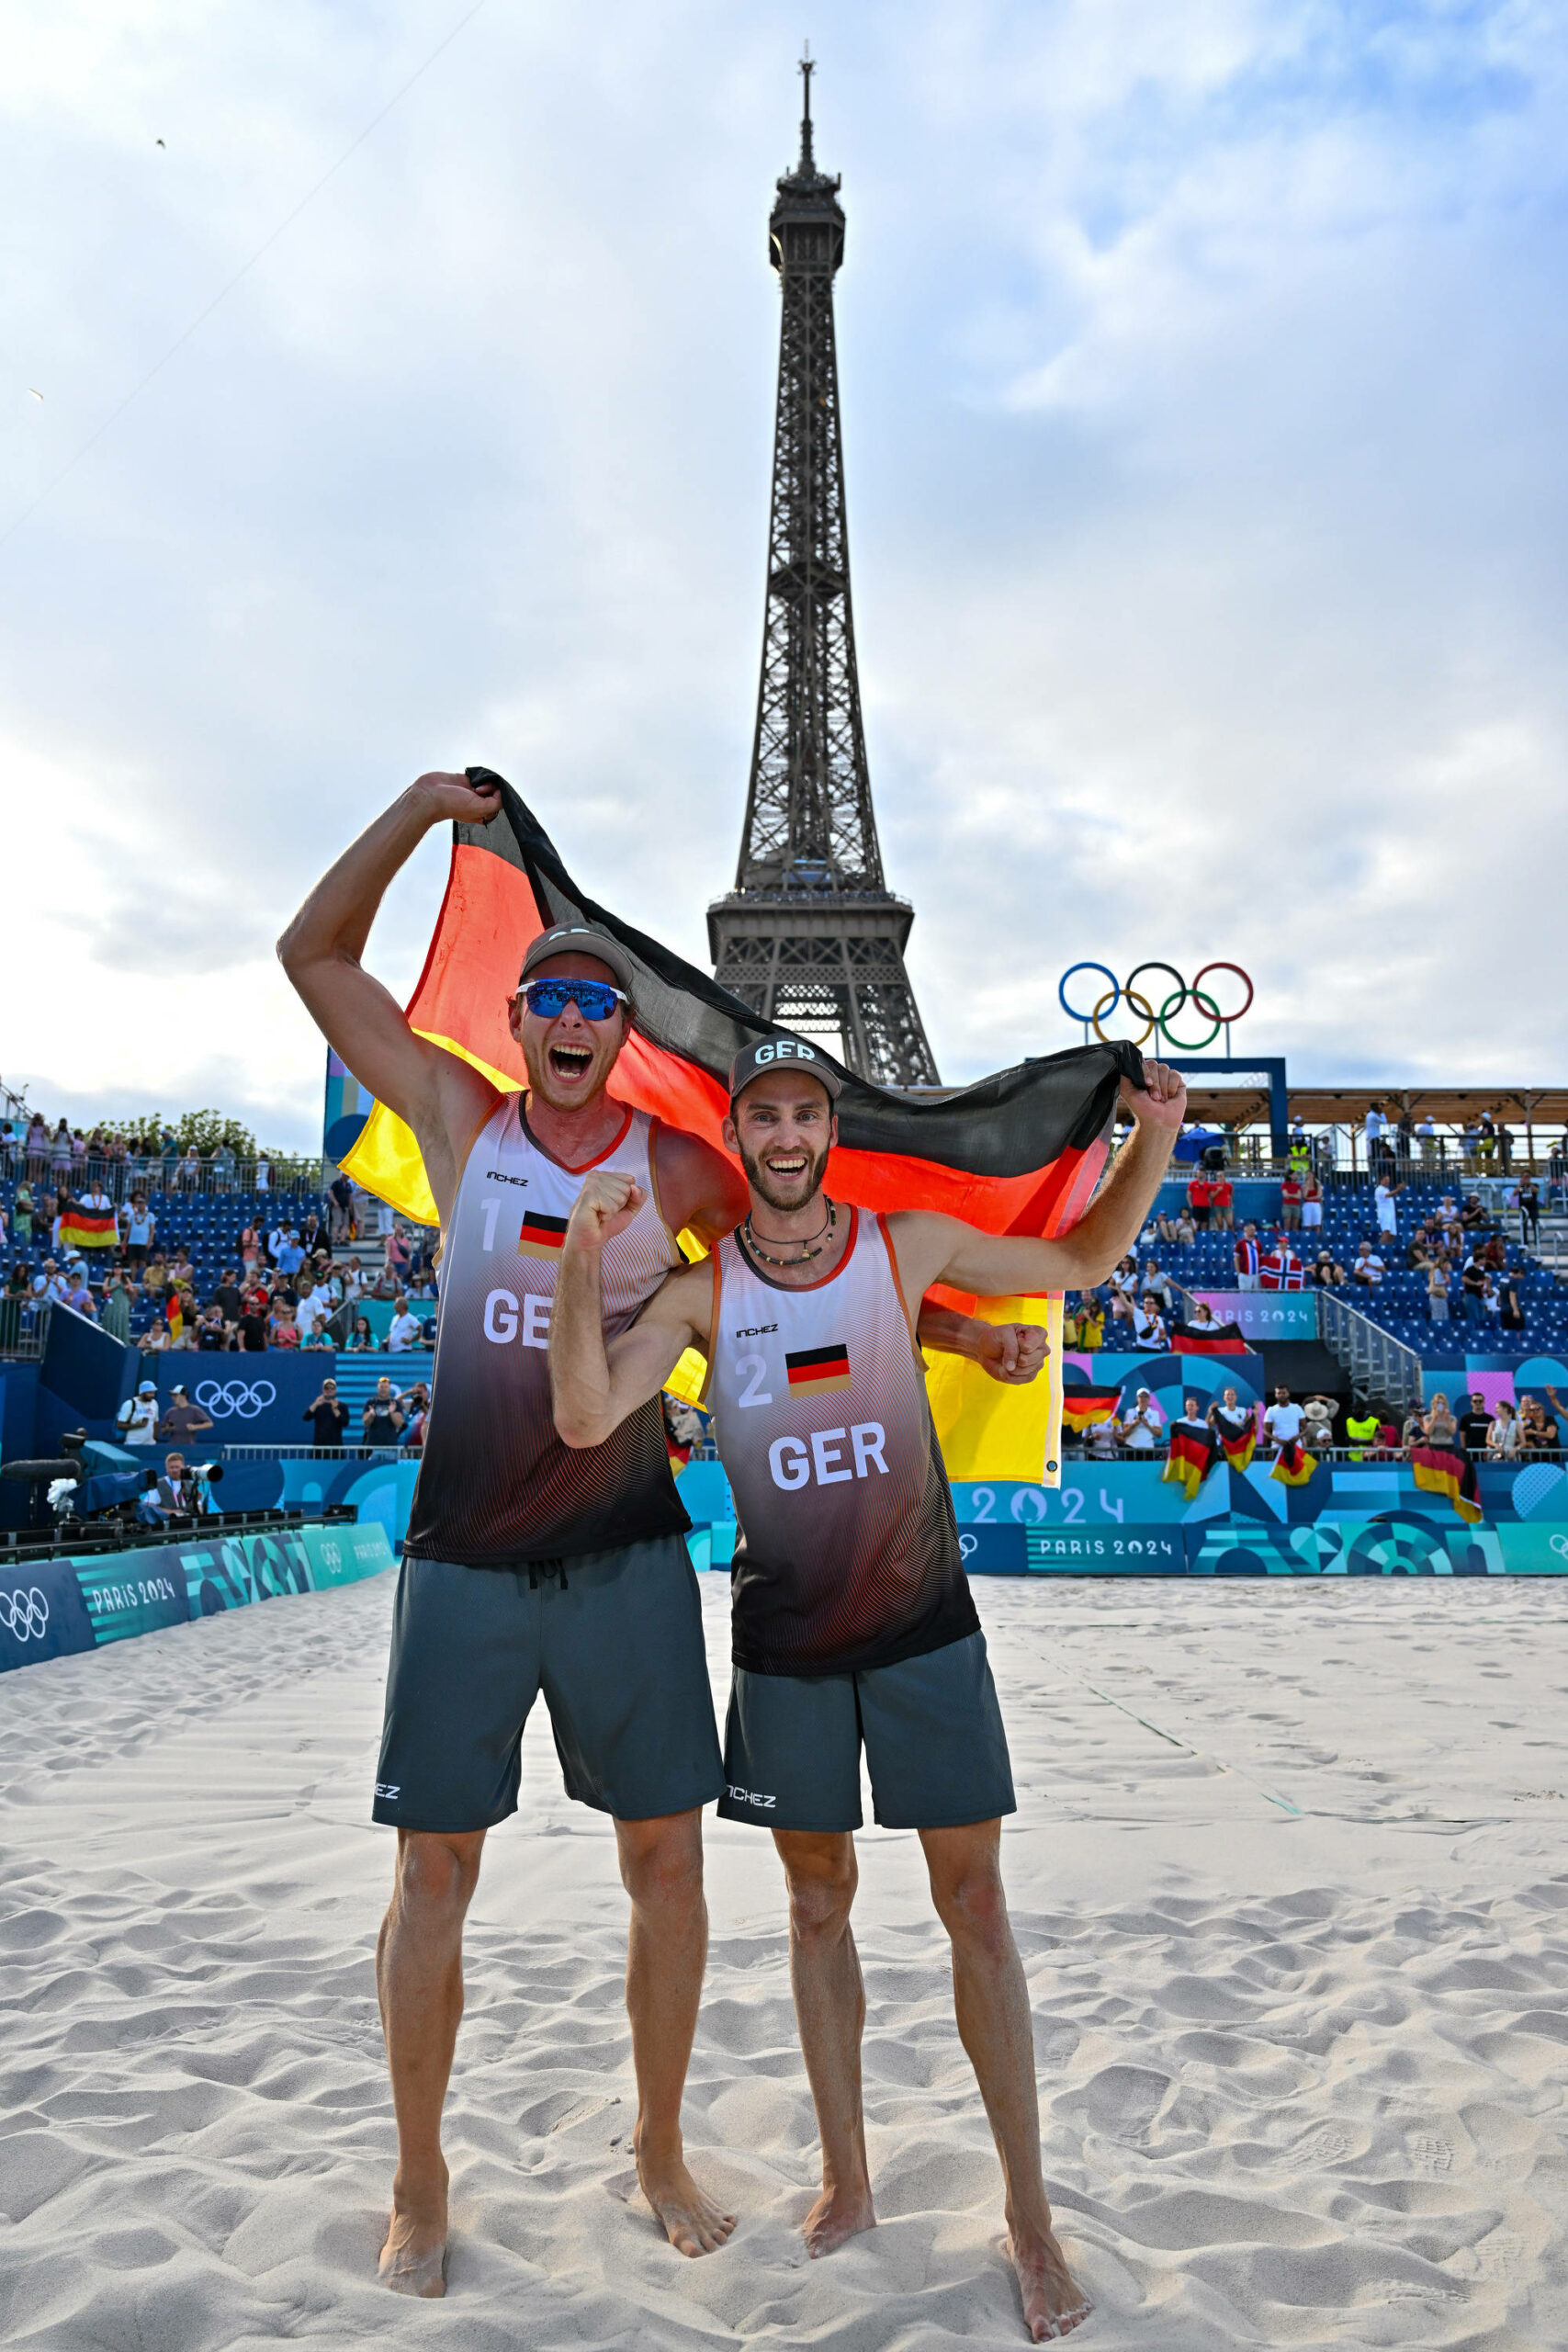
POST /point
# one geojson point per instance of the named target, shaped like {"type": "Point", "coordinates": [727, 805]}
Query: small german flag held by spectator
{"type": "Point", "coordinates": [1444, 1470]}
{"type": "Point", "coordinates": [1207, 1340]}
{"type": "Point", "coordinates": [84, 1229]}
{"type": "Point", "coordinates": [1293, 1465]}
{"type": "Point", "coordinates": [1239, 1445]}
{"type": "Point", "coordinates": [1193, 1454]}
{"type": "Point", "coordinates": [1083, 1408]}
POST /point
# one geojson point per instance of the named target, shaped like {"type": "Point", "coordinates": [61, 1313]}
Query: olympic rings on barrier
{"type": "Point", "coordinates": [23, 1613]}
{"type": "Point", "coordinates": [1139, 1005]}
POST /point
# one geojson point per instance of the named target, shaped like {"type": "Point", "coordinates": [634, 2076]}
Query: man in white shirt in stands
{"type": "Point", "coordinates": [1367, 1269]}
{"type": "Point", "coordinates": [1282, 1421]}
{"type": "Point", "coordinates": [137, 1419]}
{"type": "Point", "coordinates": [403, 1333]}
{"type": "Point", "coordinates": [1140, 1431]}
{"type": "Point", "coordinates": [315, 1308]}
{"type": "Point", "coordinates": [1384, 1200]}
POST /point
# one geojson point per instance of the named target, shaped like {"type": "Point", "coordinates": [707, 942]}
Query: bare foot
{"type": "Point", "coordinates": [692, 2222]}
{"type": "Point", "coordinates": [1054, 2303]}
{"type": "Point", "coordinates": [838, 2214]}
{"type": "Point", "coordinates": [413, 2260]}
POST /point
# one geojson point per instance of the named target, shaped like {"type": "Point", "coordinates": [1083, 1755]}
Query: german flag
{"type": "Point", "coordinates": [1293, 1465]}
{"type": "Point", "coordinates": [84, 1229]}
{"type": "Point", "coordinates": [1238, 1446]}
{"type": "Point", "coordinates": [1083, 1408]}
{"type": "Point", "coordinates": [1207, 1340]}
{"type": "Point", "coordinates": [541, 1237]}
{"type": "Point", "coordinates": [1019, 1152]}
{"type": "Point", "coordinates": [1193, 1454]}
{"type": "Point", "coordinates": [814, 1371]}
{"type": "Point", "coordinates": [1444, 1470]}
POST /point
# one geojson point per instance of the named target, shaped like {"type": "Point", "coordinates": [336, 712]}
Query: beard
{"type": "Point", "coordinates": [800, 1192]}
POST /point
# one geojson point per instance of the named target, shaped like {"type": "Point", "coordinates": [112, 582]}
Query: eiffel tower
{"type": "Point", "coordinates": [810, 936]}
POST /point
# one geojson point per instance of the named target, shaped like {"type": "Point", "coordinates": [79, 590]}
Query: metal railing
{"type": "Point", "coordinates": [24, 1329]}
{"type": "Point", "coordinates": [1378, 1363]}
{"type": "Point", "coordinates": [282, 1179]}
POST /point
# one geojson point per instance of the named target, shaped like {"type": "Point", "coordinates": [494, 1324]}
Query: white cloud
{"type": "Point", "coordinates": [1202, 372]}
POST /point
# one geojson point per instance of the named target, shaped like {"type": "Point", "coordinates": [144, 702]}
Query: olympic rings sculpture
{"type": "Point", "coordinates": [1142, 1009]}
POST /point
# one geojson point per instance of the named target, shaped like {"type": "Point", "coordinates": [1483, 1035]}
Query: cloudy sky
{"type": "Point", "coordinates": [1204, 372]}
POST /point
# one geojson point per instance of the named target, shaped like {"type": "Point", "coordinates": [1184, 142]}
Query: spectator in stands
{"type": "Point", "coordinates": [97, 1204]}
{"type": "Point", "coordinates": [313, 1236]}
{"type": "Point", "coordinates": [1199, 1197]}
{"type": "Point", "coordinates": [137, 1419]}
{"type": "Point", "coordinates": [1375, 1128]}
{"type": "Point", "coordinates": [1157, 1281]}
{"type": "Point", "coordinates": [1529, 1213]}
{"type": "Point", "coordinates": [22, 1215]}
{"type": "Point", "coordinates": [253, 1318]}
{"type": "Point", "coordinates": [1413, 1431]}
{"type": "Point", "coordinates": [1405, 1139]}
{"type": "Point", "coordinates": [398, 1251]}
{"type": "Point", "coordinates": [154, 1341]}
{"type": "Point", "coordinates": [1165, 1228]}
{"type": "Point", "coordinates": [1311, 1205]}
{"type": "Point", "coordinates": [1121, 1319]}
{"type": "Point", "coordinates": [402, 1333]}
{"type": "Point", "coordinates": [1248, 1259]}
{"type": "Point", "coordinates": [1385, 1202]}
{"type": "Point", "coordinates": [116, 1312]}
{"type": "Point", "coordinates": [77, 1295]}
{"type": "Point", "coordinates": [1100, 1441]}
{"type": "Point", "coordinates": [1538, 1433]}
{"type": "Point", "coordinates": [361, 1337]}
{"type": "Point", "coordinates": [1185, 1231]}
{"type": "Point", "coordinates": [1140, 1431]}
{"type": "Point", "coordinates": [1291, 1192]}
{"type": "Point", "coordinates": [1282, 1421]}
{"type": "Point", "coordinates": [213, 1335]}
{"type": "Point", "coordinates": [1092, 1322]}
{"type": "Point", "coordinates": [140, 1228]}
{"type": "Point", "coordinates": [253, 1248]}
{"type": "Point", "coordinates": [1369, 1268]}
{"type": "Point", "coordinates": [1438, 1290]}
{"type": "Point", "coordinates": [383, 1415]}
{"type": "Point", "coordinates": [328, 1415]}
{"type": "Point", "coordinates": [187, 1170]}
{"type": "Point", "coordinates": [37, 1148]}
{"type": "Point", "coordinates": [60, 1155]}
{"type": "Point", "coordinates": [1317, 1422]}
{"type": "Point", "coordinates": [1503, 1436]}
{"type": "Point", "coordinates": [1202, 1318]}
{"type": "Point", "coordinates": [288, 1256]}
{"type": "Point", "coordinates": [282, 1329]}
{"type": "Point", "coordinates": [1325, 1271]}
{"type": "Point", "coordinates": [416, 1411]}
{"type": "Point", "coordinates": [1148, 1326]}
{"type": "Point", "coordinates": [1222, 1204]}
{"type": "Point", "coordinates": [1441, 1428]}
{"type": "Point", "coordinates": [314, 1309]}
{"type": "Point", "coordinates": [1279, 1267]}
{"type": "Point", "coordinates": [1124, 1278]}
{"type": "Point", "coordinates": [180, 1418]}
{"type": "Point", "coordinates": [227, 1295]}
{"type": "Point", "coordinates": [1472, 1291]}
{"type": "Point", "coordinates": [1472, 1217]}
{"type": "Point", "coordinates": [1426, 1136]}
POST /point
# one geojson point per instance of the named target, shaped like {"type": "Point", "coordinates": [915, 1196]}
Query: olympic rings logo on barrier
{"type": "Point", "coordinates": [25, 1615]}
{"type": "Point", "coordinates": [1142, 1009]}
{"type": "Point", "coordinates": [235, 1398]}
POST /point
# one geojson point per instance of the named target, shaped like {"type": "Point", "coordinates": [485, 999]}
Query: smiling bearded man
{"type": "Point", "coordinates": [854, 1622]}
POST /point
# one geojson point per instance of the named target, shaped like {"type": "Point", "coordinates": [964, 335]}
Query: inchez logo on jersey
{"type": "Point", "coordinates": [814, 1371]}
{"type": "Point", "coordinates": [541, 1236]}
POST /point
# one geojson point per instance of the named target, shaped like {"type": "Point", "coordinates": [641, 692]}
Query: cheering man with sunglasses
{"type": "Point", "coordinates": [528, 1565]}
{"type": "Point", "coordinates": [854, 1622]}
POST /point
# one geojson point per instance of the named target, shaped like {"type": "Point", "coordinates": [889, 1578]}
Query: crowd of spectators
{"type": "Point", "coordinates": [59, 1155]}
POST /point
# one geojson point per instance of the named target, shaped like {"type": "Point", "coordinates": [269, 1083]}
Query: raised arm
{"type": "Point", "coordinates": [595, 1387]}
{"type": "Point", "coordinates": [943, 1248]}
{"type": "Point", "coordinates": [440, 1096]}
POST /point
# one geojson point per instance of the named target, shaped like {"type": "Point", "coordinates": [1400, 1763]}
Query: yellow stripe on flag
{"type": "Point", "coordinates": [988, 1429]}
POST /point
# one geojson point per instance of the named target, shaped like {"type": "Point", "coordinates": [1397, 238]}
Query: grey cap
{"type": "Point", "coordinates": [781, 1053]}
{"type": "Point", "coordinates": [580, 939]}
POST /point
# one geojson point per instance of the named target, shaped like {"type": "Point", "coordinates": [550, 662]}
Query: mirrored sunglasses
{"type": "Point", "coordinates": [595, 1000]}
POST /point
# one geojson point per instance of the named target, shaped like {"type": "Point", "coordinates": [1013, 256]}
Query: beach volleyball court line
{"type": "Point", "coordinates": [1204, 1755]}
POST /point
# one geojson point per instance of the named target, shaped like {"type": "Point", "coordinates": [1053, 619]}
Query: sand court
{"type": "Point", "coordinates": [1289, 1881]}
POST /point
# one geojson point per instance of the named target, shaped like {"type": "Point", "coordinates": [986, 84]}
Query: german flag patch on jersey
{"type": "Point", "coordinates": [817, 1370]}
{"type": "Point", "coordinates": [541, 1236]}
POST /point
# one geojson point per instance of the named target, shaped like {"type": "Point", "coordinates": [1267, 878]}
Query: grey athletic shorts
{"type": "Point", "coordinates": [934, 1745]}
{"type": "Point", "coordinates": [618, 1656]}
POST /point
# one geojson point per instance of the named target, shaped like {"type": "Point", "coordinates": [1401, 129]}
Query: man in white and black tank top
{"type": "Point", "coordinates": [528, 1564]}
{"type": "Point", "coordinates": [854, 1622]}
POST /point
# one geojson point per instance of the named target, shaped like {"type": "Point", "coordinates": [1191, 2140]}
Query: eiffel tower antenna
{"type": "Point", "coordinates": [810, 936]}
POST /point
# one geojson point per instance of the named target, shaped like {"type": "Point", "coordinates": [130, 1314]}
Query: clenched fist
{"type": "Point", "coordinates": [1161, 1101]}
{"type": "Point", "coordinates": [1013, 1353]}
{"type": "Point", "coordinates": [605, 1206]}
{"type": "Point", "coordinates": [452, 796]}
